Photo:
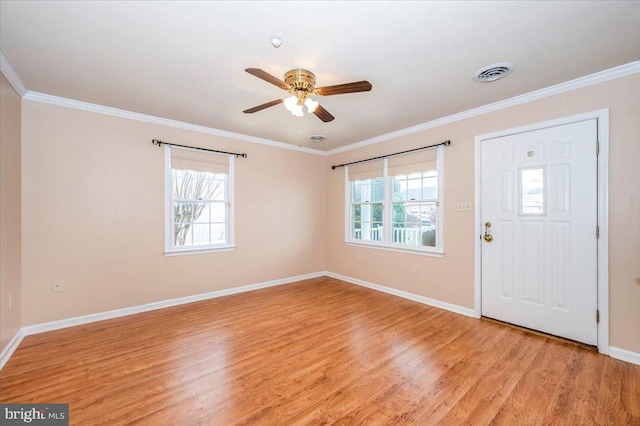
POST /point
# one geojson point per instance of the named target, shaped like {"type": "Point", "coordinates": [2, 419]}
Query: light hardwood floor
{"type": "Point", "coordinates": [317, 352]}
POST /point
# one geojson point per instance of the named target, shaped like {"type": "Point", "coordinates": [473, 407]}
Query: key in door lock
{"type": "Point", "coordinates": [487, 236]}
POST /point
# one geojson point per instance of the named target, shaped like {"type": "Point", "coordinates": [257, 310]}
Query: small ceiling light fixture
{"type": "Point", "coordinates": [276, 42]}
{"type": "Point", "coordinates": [493, 72]}
{"type": "Point", "coordinates": [317, 138]}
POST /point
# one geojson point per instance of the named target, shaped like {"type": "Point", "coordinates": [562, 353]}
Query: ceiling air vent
{"type": "Point", "coordinates": [493, 72]}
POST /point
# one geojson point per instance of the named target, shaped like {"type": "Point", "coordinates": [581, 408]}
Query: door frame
{"type": "Point", "coordinates": [602, 117]}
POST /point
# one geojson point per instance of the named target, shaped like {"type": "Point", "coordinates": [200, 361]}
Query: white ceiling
{"type": "Point", "coordinates": [185, 60]}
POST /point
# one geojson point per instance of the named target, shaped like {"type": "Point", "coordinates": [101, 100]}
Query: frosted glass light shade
{"type": "Point", "coordinates": [311, 105]}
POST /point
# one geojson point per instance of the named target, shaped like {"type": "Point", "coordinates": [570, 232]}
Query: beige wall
{"type": "Point", "coordinates": [9, 211]}
{"type": "Point", "coordinates": [92, 212]}
{"type": "Point", "coordinates": [93, 215]}
{"type": "Point", "coordinates": [450, 279]}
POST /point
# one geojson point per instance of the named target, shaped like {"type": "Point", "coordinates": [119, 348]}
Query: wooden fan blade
{"type": "Point", "coordinates": [263, 106]}
{"type": "Point", "coordinates": [268, 77]}
{"type": "Point", "coordinates": [338, 89]}
{"type": "Point", "coordinates": [323, 114]}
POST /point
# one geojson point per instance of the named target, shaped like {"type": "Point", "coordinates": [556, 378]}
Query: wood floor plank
{"type": "Point", "coordinates": [416, 376]}
{"type": "Point", "coordinates": [487, 393]}
{"type": "Point", "coordinates": [318, 351]}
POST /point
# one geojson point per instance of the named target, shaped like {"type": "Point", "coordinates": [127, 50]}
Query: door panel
{"type": "Point", "coordinates": [539, 192]}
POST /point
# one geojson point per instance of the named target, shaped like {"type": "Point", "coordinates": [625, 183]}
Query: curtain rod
{"type": "Point", "coordinates": [160, 143]}
{"type": "Point", "coordinates": [445, 143]}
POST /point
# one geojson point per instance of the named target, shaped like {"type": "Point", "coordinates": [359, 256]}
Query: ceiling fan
{"type": "Point", "coordinates": [301, 84]}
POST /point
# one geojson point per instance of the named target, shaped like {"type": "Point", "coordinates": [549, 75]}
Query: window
{"type": "Point", "coordinates": [395, 202]}
{"type": "Point", "coordinates": [199, 201]}
{"type": "Point", "coordinates": [532, 191]}
{"type": "Point", "coordinates": [367, 200]}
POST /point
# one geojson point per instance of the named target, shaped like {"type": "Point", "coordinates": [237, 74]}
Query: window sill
{"type": "Point", "coordinates": [185, 252]}
{"type": "Point", "coordinates": [418, 251]}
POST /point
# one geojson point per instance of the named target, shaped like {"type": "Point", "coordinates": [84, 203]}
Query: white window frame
{"type": "Point", "coordinates": [170, 249]}
{"type": "Point", "coordinates": [387, 216]}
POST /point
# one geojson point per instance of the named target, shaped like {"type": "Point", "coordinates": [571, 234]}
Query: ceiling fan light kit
{"type": "Point", "coordinates": [301, 84]}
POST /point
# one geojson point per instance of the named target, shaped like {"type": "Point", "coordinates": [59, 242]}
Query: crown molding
{"type": "Point", "coordinates": [599, 77]}
{"type": "Point", "coordinates": [12, 75]}
{"type": "Point", "coordinates": [100, 109]}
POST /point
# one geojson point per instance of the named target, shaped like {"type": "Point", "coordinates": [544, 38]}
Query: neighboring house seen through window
{"type": "Point", "coordinates": [396, 202]}
{"type": "Point", "coordinates": [199, 201]}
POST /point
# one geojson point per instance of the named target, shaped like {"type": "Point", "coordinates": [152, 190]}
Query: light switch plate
{"type": "Point", "coordinates": [464, 206]}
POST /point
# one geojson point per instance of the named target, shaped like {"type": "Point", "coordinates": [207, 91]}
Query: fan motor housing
{"type": "Point", "coordinates": [300, 80]}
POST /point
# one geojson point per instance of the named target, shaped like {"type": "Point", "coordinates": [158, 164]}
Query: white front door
{"type": "Point", "coordinates": [539, 195]}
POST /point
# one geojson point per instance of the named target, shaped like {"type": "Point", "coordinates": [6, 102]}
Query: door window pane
{"type": "Point", "coordinates": [532, 191]}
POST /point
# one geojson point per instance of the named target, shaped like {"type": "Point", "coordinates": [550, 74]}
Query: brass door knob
{"type": "Point", "coordinates": [487, 236]}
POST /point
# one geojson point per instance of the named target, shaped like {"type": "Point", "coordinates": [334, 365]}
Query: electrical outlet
{"type": "Point", "coordinates": [464, 206]}
{"type": "Point", "coordinates": [56, 286]}
{"type": "Point", "coordinates": [10, 300]}
{"type": "Point", "coordinates": [357, 259]}
{"type": "Point", "coordinates": [241, 263]}
{"type": "Point", "coordinates": [417, 269]}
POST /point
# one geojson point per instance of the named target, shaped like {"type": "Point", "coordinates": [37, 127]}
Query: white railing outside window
{"type": "Point", "coordinates": [396, 202]}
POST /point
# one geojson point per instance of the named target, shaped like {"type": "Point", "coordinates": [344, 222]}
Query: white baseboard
{"type": "Point", "coordinates": [624, 355]}
{"type": "Point", "coordinates": [11, 346]}
{"type": "Point", "coordinates": [70, 322]}
{"type": "Point", "coordinates": [86, 319]}
{"type": "Point", "coordinates": [406, 295]}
